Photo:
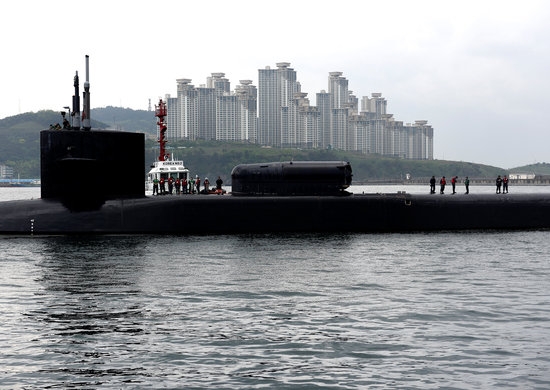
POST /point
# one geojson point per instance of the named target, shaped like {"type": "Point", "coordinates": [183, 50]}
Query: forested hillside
{"type": "Point", "coordinates": [118, 118]}
{"type": "Point", "coordinates": [20, 149]}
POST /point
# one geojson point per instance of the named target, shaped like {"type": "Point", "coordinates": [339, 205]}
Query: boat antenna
{"type": "Point", "coordinates": [160, 113]}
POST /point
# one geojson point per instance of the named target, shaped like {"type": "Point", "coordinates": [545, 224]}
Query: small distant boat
{"type": "Point", "coordinates": [174, 169]}
{"type": "Point", "coordinates": [165, 168]}
{"type": "Point", "coordinates": [20, 183]}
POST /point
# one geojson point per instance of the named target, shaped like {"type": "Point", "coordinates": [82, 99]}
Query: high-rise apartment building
{"type": "Point", "coordinates": [339, 110]}
{"type": "Point", "coordinates": [269, 117]}
{"type": "Point", "coordinates": [247, 96]}
{"type": "Point", "coordinates": [338, 90]}
{"type": "Point", "coordinates": [376, 104]}
{"type": "Point", "coordinates": [187, 102]}
{"type": "Point", "coordinates": [307, 122]}
{"type": "Point", "coordinates": [277, 106]}
{"type": "Point", "coordinates": [279, 114]}
{"type": "Point", "coordinates": [325, 129]}
{"type": "Point", "coordinates": [173, 129]}
{"type": "Point", "coordinates": [227, 123]}
{"type": "Point", "coordinates": [206, 113]}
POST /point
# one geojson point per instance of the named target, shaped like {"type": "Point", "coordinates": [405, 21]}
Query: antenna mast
{"type": "Point", "coordinates": [160, 113]}
{"type": "Point", "coordinates": [86, 121]}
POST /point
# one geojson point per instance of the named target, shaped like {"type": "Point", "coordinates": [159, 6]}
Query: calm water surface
{"type": "Point", "coordinates": [466, 310]}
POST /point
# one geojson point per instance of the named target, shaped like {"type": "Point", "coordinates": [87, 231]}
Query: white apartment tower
{"type": "Point", "coordinates": [338, 95]}
{"type": "Point", "coordinates": [269, 118]}
{"type": "Point", "coordinates": [420, 141]}
{"type": "Point", "coordinates": [338, 90]}
{"type": "Point", "coordinates": [218, 82]}
{"type": "Point", "coordinates": [288, 87]}
{"type": "Point", "coordinates": [276, 107]}
{"type": "Point", "coordinates": [247, 97]}
{"type": "Point", "coordinates": [206, 113]}
{"type": "Point", "coordinates": [277, 113]}
{"type": "Point", "coordinates": [306, 122]}
{"type": "Point", "coordinates": [187, 101]}
{"type": "Point", "coordinates": [376, 104]}
{"type": "Point", "coordinates": [325, 129]}
{"type": "Point", "coordinates": [375, 107]}
{"type": "Point", "coordinates": [227, 118]}
{"type": "Point", "coordinates": [173, 125]}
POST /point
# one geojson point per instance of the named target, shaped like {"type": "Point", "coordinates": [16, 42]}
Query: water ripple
{"type": "Point", "coordinates": [404, 311]}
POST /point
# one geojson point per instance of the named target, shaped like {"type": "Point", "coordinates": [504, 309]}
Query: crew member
{"type": "Point", "coordinates": [453, 183]}
{"type": "Point", "coordinates": [198, 184]}
{"type": "Point", "coordinates": [170, 185]}
{"type": "Point", "coordinates": [155, 186]}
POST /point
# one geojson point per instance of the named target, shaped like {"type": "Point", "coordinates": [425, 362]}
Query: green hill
{"type": "Point", "coordinates": [20, 149]}
{"type": "Point", "coordinates": [126, 119]}
{"type": "Point", "coordinates": [538, 169]}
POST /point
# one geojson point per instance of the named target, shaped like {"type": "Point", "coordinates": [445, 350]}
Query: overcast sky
{"type": "Point", "coordinates": [478, 71]}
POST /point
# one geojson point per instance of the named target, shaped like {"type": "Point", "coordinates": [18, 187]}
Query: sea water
{"type": "Point", "coordinates": [461, 310]}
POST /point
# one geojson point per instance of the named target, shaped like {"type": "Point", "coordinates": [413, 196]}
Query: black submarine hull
{"type": "Point", "coordinates": [79, 195]}
{"type": "Point", "coordinates": [226, 214]}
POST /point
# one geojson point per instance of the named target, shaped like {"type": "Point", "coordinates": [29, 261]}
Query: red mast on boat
{"type": "Point", "coordinates": [160, 113]}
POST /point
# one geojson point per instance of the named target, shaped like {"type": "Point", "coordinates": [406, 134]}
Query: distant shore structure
{"type": "Point", "coordinates": [278, 113]}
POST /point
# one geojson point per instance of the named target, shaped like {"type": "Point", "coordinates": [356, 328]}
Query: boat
{"type": "Point", "coordinates": [165, 168]}
{"type": "Point", "coordinates": [20, 183]}
{"type": "Point", "coordinates": [77, 198]}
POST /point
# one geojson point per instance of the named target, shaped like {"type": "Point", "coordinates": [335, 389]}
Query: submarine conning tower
{"type": "Point", "coordinates": [83, 168]}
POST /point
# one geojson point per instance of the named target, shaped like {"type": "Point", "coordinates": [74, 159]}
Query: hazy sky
{"type": "Point", "coordinates": [478, 71]}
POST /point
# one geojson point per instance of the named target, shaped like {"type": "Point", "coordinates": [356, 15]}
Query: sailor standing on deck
{"type": "Point", "coordinates": [442, 183]}
{"type": "Point", "coordinates": [155, 186]}
{"type": "Point", "coordinates": [191, 185]}
{"type": "Point", "coordinates": [170, 185]}
{"type": "Point", "coordinates": [198, 184]}
{"type": "Point", "coordinates": [432, 185]}
{"type": "Point", "coordinates": [505, 185]}
{"type": "Point", "coordinates": [453, 183]}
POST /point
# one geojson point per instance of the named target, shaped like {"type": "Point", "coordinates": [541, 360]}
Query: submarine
{"type": "Point", "coordinates": [79, 197]}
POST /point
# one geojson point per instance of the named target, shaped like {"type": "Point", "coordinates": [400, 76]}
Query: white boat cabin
{"type": "Point", "coordinates": [166, 169]}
